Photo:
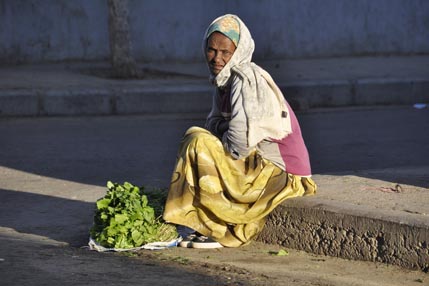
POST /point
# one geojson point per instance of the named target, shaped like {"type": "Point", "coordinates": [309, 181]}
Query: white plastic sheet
{"type": "Point", "coordinates": [93, 245]}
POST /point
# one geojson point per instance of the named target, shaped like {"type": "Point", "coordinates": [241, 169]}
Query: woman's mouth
{"type": "Point", "coordinates": [216, 68]}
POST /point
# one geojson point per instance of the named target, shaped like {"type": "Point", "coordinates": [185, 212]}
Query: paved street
{"type": "Point", "coordinates": [142, 149]}
{"type": "Point", "coordinates": [53, 169]}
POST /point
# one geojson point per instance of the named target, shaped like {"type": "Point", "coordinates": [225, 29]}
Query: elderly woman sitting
{"type": "Point", "coordinates": [249, 158]}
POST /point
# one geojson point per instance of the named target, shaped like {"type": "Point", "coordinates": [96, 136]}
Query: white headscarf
{"type": "Point", "coordinates": [263, 102]}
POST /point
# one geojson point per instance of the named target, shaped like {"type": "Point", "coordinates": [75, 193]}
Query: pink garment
{"type": "Point", "coordinates": [293, 150]}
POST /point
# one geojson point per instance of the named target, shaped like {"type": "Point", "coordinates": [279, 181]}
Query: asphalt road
{"type": "Point", "coordinates": [142, 149]}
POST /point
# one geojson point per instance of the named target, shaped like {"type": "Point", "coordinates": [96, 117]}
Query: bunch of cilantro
{"type": "Point", "coordinates": [124, 218]}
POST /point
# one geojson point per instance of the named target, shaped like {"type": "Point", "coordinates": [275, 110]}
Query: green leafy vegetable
{"type": "Point", "coordinates": [124, 218]}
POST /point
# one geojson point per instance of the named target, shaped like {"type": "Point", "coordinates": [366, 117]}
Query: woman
{"type": "Point", "coordinates": [251, 156]}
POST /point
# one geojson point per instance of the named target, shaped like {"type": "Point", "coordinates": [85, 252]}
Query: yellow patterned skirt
{"type": "Point", "coordinates": [224, 198]}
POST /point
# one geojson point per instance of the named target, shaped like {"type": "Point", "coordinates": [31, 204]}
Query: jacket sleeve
{"type": "Point", "coordinates": [235, 138]}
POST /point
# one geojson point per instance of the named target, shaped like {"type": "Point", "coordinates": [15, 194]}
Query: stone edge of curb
{"type": "Point", "coordinates": [349, 232]}
{"type": "Point", "coordinates": [189, 98]}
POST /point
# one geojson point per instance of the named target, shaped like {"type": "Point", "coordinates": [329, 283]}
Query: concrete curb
{"type": "Point", "coordinates": [349, 232]}
{"type": "Point", "coordinates": [363, 92]}
{"type": "Point", "coordinates": [105, 101]}
{"type": "Point", "coordinates": [196, 97]}
{"type": "Point", "coordinates": [84, 89]}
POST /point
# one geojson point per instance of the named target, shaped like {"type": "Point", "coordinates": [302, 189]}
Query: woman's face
{"type": "Point", "coordinates": [219, 51]}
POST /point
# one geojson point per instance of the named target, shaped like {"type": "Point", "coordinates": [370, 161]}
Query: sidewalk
{"type": "Point", "coordinates": [374, 213]}
{"type": "Point", "coordinates": [81, 89]}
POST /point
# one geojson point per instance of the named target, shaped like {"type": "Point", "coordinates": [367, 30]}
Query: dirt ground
{"type": "Point", "coordinates": [262, 264]}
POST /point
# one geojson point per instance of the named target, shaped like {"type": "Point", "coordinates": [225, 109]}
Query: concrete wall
{"type": "Point", "coordinates": [53, 30]}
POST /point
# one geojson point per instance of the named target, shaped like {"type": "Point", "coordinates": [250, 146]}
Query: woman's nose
{"type": "Point", "coordinates": [217, 58]}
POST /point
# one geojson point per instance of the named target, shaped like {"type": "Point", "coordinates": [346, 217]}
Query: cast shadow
{"type": "Point", "coordinates": [56, 218]}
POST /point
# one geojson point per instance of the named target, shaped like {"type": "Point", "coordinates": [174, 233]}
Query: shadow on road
{"type": "Point", "coordinates": [93, 150]}
{"type": "Point", "coordinates": [56, 218]}
{"type": "Point", "coordinates": [142, 149]}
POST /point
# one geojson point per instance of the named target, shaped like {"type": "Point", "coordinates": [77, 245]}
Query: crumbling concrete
{"type": "Point", "coordinates": [349, 232]}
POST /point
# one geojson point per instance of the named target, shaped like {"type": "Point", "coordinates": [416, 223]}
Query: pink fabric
{"type": "Point", "coordinates": [293, 150]}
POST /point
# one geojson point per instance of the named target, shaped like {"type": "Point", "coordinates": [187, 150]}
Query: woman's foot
{"type": "Point", "coordinates": [187, 241]}
{"type": "Point", "coordinates": [205, 242]}
{"type": "Point", "coordinates": [196, 240]}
